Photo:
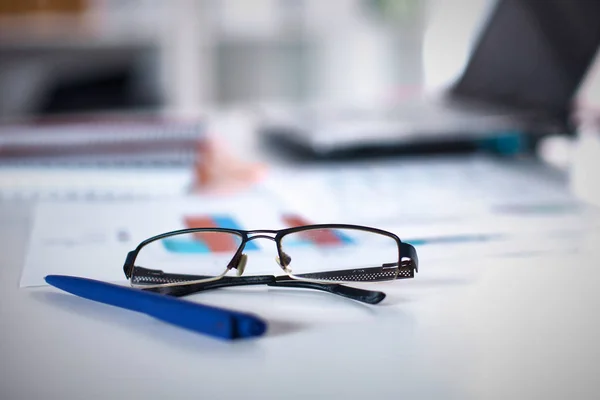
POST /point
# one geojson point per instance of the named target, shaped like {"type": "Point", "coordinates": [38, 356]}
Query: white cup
{"type": "Point", "coordinates": [585, 165]}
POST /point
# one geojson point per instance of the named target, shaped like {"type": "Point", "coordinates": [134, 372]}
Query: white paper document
{"type": "Point", "coordinates": [93, 239]}
{"type": "Point", "coordinates": [409, 191]}
{"type": "Point", "coordinates": [456, 214]}
{"type": "Point", "coordinates": [91, 183]}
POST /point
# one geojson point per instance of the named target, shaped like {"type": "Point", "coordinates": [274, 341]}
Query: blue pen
{"type": "Point", "coordinates": [213, 321]}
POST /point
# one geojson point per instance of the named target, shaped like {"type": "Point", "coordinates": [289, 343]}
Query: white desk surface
{"type": "Point", "coordinates": [525, 328]}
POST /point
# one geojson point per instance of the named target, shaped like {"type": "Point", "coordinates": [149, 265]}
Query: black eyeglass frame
{"type": "Point", "coordinates": [406, 265]}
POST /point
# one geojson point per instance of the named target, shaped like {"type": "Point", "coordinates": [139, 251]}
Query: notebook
{"type": "Point", "coordinates": [102, 157]}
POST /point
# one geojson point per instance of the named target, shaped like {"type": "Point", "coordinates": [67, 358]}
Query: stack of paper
{"type": "Point", "coordinates": [459, 214]}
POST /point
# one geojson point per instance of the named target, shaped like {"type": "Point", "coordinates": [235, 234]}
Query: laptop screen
{"type": "Point", "coordinates": [533, 54]}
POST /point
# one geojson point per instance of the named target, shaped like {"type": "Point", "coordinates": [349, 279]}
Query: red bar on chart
{"type": "Point", "coordinates": [215, 241]}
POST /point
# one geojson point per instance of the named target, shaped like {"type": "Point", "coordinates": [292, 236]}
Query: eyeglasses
{"type": "Point", "coordinates": [320, 257]}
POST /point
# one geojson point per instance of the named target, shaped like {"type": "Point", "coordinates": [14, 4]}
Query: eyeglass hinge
{"type": "Point", "coordinates": [128, 267]}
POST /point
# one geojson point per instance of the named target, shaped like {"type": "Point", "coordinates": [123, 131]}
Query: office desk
{"type": "Point", "coordinates": [525, 328]}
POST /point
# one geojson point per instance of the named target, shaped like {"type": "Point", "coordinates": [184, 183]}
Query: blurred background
{"type": "Point", "coordinates": [188, 56]}
{"type": "Point", "coordinates": [194, 57]}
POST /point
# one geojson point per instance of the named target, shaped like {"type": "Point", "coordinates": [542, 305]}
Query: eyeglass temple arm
{"type": "Point", "coordinates": [362, 295]}
{"type": "Point", "coordinates": [152, 276]}
{"type": "Point", "coordinates": [185, 289]}
{"type": "Point", "coordinates": [408, 265]}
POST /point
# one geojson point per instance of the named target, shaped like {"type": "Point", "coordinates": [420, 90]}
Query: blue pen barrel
{"type": "Point", "coordinates": [209, 320]}
{"type": "Point", "coordinates": [221, 323]}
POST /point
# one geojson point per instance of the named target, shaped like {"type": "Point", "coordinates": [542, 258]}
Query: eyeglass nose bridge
{"type": "Point", "coordinates": [283, 262]}
{"type": "Point", "coordinates": [260, 236]}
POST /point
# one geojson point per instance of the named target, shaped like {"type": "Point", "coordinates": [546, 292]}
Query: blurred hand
{"type": "Point", "coordinates": [217, 170]}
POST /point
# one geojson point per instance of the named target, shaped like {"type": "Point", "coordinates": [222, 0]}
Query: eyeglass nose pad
{"type": "Point", "coordinates": [283, 263]}
{"type": "Point", "coordinates": [241, 264]}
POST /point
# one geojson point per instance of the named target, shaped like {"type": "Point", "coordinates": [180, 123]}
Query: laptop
{"type": "Point", "coordinates": [519, 83]}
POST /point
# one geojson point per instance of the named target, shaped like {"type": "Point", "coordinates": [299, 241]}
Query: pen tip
{"type": "Point", "coordinates": [249, 328]}
{"type": "Point", "coordinates": [55, 280]}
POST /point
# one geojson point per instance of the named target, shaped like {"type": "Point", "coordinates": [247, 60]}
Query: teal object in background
{"type": "Point", "coordinates": [506, 144]}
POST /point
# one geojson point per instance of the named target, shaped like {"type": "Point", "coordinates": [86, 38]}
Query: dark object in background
{"type": "Point", "coordinates": [533, 55]}
{"type": "Point", "coordinates": [114, 91]}
{"type": "Point", "coordinates": [518, 86]}
{"type": "Point", "coordinates": [108, 140]}
{"type": "Point", "coordinates": [21, 7]}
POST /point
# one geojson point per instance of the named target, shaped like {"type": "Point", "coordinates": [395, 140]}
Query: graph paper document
{"type": "Point", "coordinates": [421, 190]}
